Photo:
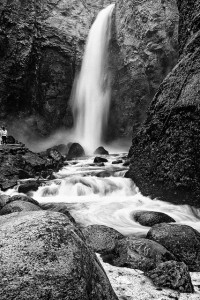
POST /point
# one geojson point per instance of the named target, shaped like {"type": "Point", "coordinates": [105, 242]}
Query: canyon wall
{"type": "Point", "coordinates": [165, 156]}
{"type": "Point", "coordinates": [41, 48]}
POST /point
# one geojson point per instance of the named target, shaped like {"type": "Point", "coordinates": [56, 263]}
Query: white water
{"type": "Point", "coordinates": [91, 93]}
{"type": "Point", "coordinates": [109, 201]}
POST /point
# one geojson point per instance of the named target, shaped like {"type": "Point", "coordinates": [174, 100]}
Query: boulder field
{"type": "Point", "coordinates": [165, 156]}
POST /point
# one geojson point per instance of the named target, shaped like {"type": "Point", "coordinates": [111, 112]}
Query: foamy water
{"type": "Point", "coordinates": [109, 201]}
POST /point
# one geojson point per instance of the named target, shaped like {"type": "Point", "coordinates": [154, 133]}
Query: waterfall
{"type": "Point", "coordinates": [91, 94]}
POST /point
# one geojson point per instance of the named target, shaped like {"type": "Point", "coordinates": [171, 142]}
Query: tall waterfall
{"type": "Point", "coordinates": [91, 94]}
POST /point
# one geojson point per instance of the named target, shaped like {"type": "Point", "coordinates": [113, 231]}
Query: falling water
{"type": "Point", "coordinates": [91, 94]}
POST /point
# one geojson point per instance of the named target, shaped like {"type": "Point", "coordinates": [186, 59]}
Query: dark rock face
{"type": "Point", "coordinates": [18, 206]}
{"type": "Point", "coordinates": [173, 275]}
{"type": "Point", "coordinates": [150, 218]}
{"type": "Point", "coordinates": [139, 253]}
{"type": "Point", "coordinates": [181, 240]}
{"type": "Point", "coordinates": [143, 50]}
{"type": "Point", "coordinates": [101, 151]}
{"type": "Point", "coordinates": [101, 238]}
{"type": "Point", "coordinates": [20, 163]}
{"type": "Point", "coordinates": [46, 252]}
{"type": "Point", "coordinates": [75, 150]}
{"type": "Point", "coordinates": [165, 153]}
{"type": "Point", "coordinates": [41, 51]}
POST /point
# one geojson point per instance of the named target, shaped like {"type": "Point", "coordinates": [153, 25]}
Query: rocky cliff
{"type": "Point", "coordinates": [144, 50]}
{"type": "Point", "coordinates": [41, 47]}
{"type": "Point", "coordinates": [165, 156]}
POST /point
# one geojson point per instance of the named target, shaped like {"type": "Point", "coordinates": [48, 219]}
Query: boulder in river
{"type": "Point", "coordinates": [24, 198]}
{"type": "Point", "coordinates": [116, 162]}
{"type": "Point", "coordinates": [18, 206]}
{"type": "Point", "coordinates": [75, 150]}
{"type": "Point", "coordinates": [4, 199]}
{"type": "Point", "coordinates": [55, 154]}
{"type": "Point", "coordinates": [139, 253]}
{"type": "Point", "coordinates": [173, 275]}
{"type": "Point", "coordinates": [150, 218]}
{"type": "Point", "coordinates": [101, 151]}
{"type": "Point", "coordinates": [45, 257]}
{"type": "Point", "coordinates": [101, 238]}
{"type": "Point", "coordinates": [99, 159]}
{"type": "Point", "coordinates": [27, 187]}
{"type": "Point", "coordinates": [181, 240]}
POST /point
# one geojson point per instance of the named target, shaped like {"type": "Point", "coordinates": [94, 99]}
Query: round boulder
{"type": "Point", "coordinates": [101, 151]}
{"type": "Point", "coordinates": [101, 238]}
{"type": "Point", "coordinates": [139, 253]}
{"type": "Point", "coordinates": [23, 198]}
{"type": "Point", "coordinates": [99, 159]}
{"type": "Point", "coordinates": [4, 199]}
{"type": "Point", "coordinates": [150, 218]}
{"type": "Point", "coordinates": [181, 240]}
{"type": "Point", "coordinates": [17, 206]}
{"type": "Point", "coordinates": [43, 256]}
{"type": "Point", "coordinates": [75, 150]}
{"type": "Point", "coordinates": [173, 275]}
{"type": "Point", "coordinates": [59, 207]}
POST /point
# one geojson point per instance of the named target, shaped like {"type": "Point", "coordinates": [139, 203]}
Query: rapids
{"type": "Point", "coordinates": [92, 198]}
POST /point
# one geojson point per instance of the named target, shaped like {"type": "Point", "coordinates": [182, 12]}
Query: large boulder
{"type": "Point", "coordinates": [150, 218]}
{"type": "Point", "coordinates": [101, 238]}
{"type": "Point", "coordinates": [58, 207]}
{"type": "Point", "coordinates": [139, 253]}
{"type": "Point", "coordinates": [173, 275]}
{"type": "Point", "coordinates": [75, 150]}
{"type": "Point", "coordinates": [165, 153]}
{"type": "Point", "coordinates": [27, 187]}
{"type": "Point", "coordinates": [99, 159]}
{"type": "Point", "coordinates": [24, 198]}
{"type": "Point", "coordinates": [44, 257]}
{"type": "Point", "coordinates": [18, 206]}
{"type": "Point", "coordinates": [101, 151]}
{"type": "Point", "coordinates": [181, 240]}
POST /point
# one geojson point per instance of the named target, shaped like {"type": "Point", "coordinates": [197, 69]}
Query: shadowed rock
{"type": "Point", "coordinates": [101, 151]}
{"type": "Point", "coordinates": [101, 238]}
{"type": "Point", "coordinates": [27, 187]}
{"type": "Point", "coordinates": [173, 275]}
{"type": "Point", "coordinates": [23, 198]}
{"type": "Point", "coordinates": [139, 253]}
{"type": "Point", "coordinates": [150, 218]}
{"type": "Point", "coordinates": [75, 150]}
{"type": "Point", "coordinates": [46, 252]}
{"type": "Point", "coordinates": [181, 240]}
{"type": "Point", "coordinates": [98, 160]}
{"type": "Point", "coordinates": [18, 206]}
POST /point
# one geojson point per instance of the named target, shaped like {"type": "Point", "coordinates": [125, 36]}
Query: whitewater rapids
{"type": "Point", "coordinates": [109, 201]}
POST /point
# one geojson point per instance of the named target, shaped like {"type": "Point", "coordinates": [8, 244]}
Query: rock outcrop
{"type": "Point", "coordinates": [44, 256]}
{"type": "Point", "coordinates": [41, 48]}
{"type": "Point", "coordinates": [165, 153]}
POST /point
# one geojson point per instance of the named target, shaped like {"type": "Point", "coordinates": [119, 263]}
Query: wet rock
{"type": "Point", "coordinates": [127, 163]}
{"type": "Point", "coordinates": [150, 218]}
{"type": "Point", "coordinates": [99, 159]}
{"type": "Point", "coordinates": [59, 207]}
{"type": "Point", "coordinates": [75, 150]}
{"type": "Point", "coordinates": [101, 238]}
{"type": "Point", "coordinates": [181, 240]}
{"type": "Point", "coordinates": [117, 162]}
{"type": "Point", "coordinates": [100, 164]}
{"type": "Point", "coordinates": [18, 206]}
{"type": "Point", "coordinates": [46, 252]}
{"type": "Point", "coordinates": [4, 199]}
{"type": "Point", "coordinates": [173, 275]}
{"type": "Point", "coordinates": [165, 152]}
{"type": "Point", "coordinates": [10, 139]}
{"type": "Point", "coordinates": [139, 253]}
{"type": "Point", "coordinates": [55, 154]}
{"type": "Point", "coordinates": [27, 187]}
{"type": "Point", "coordinates": [101, 151]}
{"type": "Point", "coordinates": [104, 174]}
{"type": "Point", "coordinates": [23, 198]}
{"type": "Point", "coordinates": [63, 149]}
